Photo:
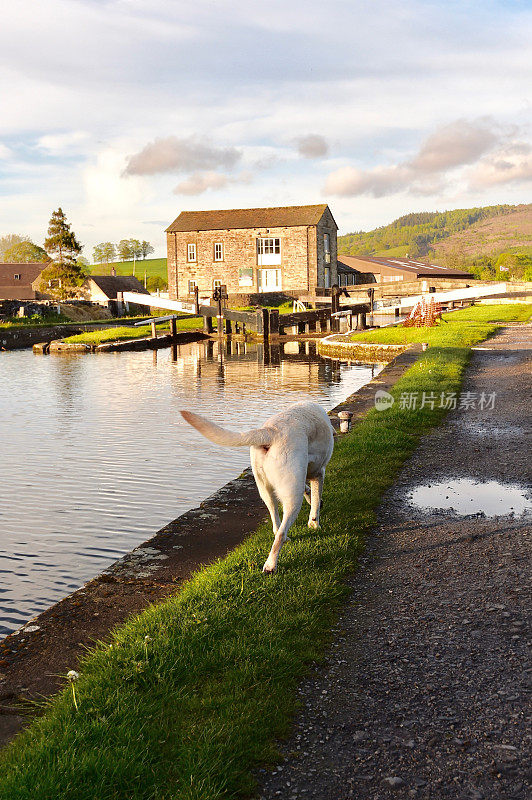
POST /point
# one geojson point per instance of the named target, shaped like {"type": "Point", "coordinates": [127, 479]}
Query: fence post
{"type": "Point", "coordinates": [266, 325]}
{"type": "Point", "coordinates": [274, 322]}
{"type": "Point", "coordinates": [173, 328]}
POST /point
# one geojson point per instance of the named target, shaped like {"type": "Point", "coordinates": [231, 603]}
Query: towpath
{"type": "Point", "coordinates": [425, 690]}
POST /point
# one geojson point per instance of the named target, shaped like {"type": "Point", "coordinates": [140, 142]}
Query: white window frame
{"type": "Point", "coordinates": [327, 243]}
{"type": "Point", "coordinates": [17, 276]}
{"type": "Point", "coordinates": [217, 282]}
{"type": "Point", "coordinates": [220, 255]}
{"type": "Point", "coordinates": [192, 255]}
{"type": "Point", "coordinates": [192, 286]}
{"type": "Point", "coordinates": [270, 245]}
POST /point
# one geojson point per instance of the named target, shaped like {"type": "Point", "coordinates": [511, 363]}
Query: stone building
{"type": "Point", "coordinates": [20, 281]}
{"type": "Point", "coordinates": [290, 249]}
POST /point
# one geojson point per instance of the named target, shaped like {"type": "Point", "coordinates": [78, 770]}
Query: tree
{"type": "Point", "coordinates": [147, 249]}
{"type": "Point", "coordinates": [62, 277]}
{"type": "Point", "coordinates": [8, 241]}
{"type": "Point", "coordinates": [104, 253]}
{"type": "Point", "coordinates": [155, 282]}
{"type": "Point", "coordinates": [124, 250]}
{"type": "Point", "coordinates": [22, 252]}
{"type": "Point", "coordinates": [513, 265]}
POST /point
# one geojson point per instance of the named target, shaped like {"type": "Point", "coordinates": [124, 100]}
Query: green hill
{"type": "Point", "coordinates": [492, 241]}
{"type": "Point", "coordinates": [154, 268]}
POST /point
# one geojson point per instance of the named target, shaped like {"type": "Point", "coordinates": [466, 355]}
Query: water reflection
{"type": "Point", "coordinates": [96, 457]}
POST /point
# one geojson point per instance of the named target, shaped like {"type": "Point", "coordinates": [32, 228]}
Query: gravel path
{"type": "Point", "coordinates": [424, 690]}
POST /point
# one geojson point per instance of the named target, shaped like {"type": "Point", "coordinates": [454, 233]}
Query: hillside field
{"type": "Point", "coordinates": [510, 232]}
{"type": "Point", "coordinates": [153, 267]}
{"type": "Point", "coordinates": [473, 232]}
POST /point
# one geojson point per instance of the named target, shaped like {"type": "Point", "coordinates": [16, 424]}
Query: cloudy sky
{"type": "Point", "coordinates": [125, 112]}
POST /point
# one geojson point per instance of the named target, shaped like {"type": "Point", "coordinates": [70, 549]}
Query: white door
{"type": "Point", "coordinates": [269, 280]}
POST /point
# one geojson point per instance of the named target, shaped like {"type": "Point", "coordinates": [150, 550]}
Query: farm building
{"type": "Point", "coordinates": [371, 269]}
{"type": "Point", "coordinates": [20, 281]}
{"type": "Point", "coordinates": [103, 289]}
{"type": "Point", "coordinates": [286, 249]}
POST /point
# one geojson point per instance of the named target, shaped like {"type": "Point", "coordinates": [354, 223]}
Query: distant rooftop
{"type": "Point", "coordinates": [420, 268]}
{"type": "Point", "coordinates": [277, 217]}
{"type": "Point", "coordinates": [111, 284]}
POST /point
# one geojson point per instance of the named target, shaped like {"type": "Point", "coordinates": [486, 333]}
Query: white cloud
{"type": "Point", "coordinates": [438, 164]}
{"type": "Point", "coordinates": [172, 154]}
{"type": "Point", "coordinates": [63, 143]}
{"type": "Point", "coordinates": [511, 164]}
{"type": "Point", "coordinates": [200, 182]}
{"type": "Point", "coordinates": [312, 146]}
{"type": "Point", "coordinates": [238, 77]}
{"type": "Point", "coordinates": [460, 142]}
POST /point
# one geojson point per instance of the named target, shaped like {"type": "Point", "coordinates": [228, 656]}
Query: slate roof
{"type": "Point", "coordinates": [28, 271]}
{"type": "Point", "coordinates": [278, 217]}
{"type": "Point", "coordinates": [111, 284]}
{"type": "Point", "coordinates": [418, 268]}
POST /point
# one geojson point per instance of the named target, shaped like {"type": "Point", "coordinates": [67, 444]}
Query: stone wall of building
{"type": "Point", "coordinates": [302, 258]}
{"type": "Point", "coordinates": [326, 225]}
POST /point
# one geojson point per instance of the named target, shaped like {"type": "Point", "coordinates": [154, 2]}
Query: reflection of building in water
{"type": "Point", "coordinates": [294, 365]}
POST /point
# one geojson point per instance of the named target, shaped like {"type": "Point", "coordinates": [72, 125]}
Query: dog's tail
{"type": "Point", "coordinates": [258, 437]}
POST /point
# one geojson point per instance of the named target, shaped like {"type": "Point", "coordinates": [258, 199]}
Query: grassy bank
{"type": "Point", "coordinates": [124, 333]}
{"type": "Point", "coordinates": [188, 712]}
{"type": "Point", "coordinates": [451, 326]}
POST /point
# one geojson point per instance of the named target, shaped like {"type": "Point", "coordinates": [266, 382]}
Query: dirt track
{"type": "Point", "coordinates": [425, 690]}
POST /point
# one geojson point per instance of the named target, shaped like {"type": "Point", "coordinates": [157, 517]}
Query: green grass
{"type": "Point", "coordinates": [453, 325]}
{"type": "Point", "coordinates": [120, 334]}
{"type": "Point", "coordinates": [190, 714]}
{"type": "Point", "coordinates": [154, 267]}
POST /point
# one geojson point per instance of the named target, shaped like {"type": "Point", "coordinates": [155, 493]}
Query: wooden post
{"type": "Point", "coordinates": [196, 299]}
{"type": "Point", "coordinates": [153, 330]}
{"type": "Point", "coordinates": [207, 325]}
{"type": "Point", "coordinates": [228, 327]}
{"type": "Point", "coordinates": [266, 326]}
{"type": "Point", "coordinates": [274, 322]}
{"type": "Point", "coordinates": [173, 328]}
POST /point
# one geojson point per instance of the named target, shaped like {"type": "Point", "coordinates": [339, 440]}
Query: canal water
{"type": "Point", "coordinates": [95, 457]}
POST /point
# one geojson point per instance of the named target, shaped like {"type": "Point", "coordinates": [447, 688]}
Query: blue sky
{"type": "Point", "coordinates": [125, 112]}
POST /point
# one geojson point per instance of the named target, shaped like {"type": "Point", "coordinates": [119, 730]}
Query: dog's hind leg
{"type": "Point", "coordinates": [270, 502]}
{"type": "Point", "coordinates": [316, 488]}
{"type": "Point", "coordinates": [307, 493]}
{"type": "Point", "coordinates": [289, 517]}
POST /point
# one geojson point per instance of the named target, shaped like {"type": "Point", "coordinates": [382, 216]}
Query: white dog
{"type": "Point", "coordinates": [292, 447]}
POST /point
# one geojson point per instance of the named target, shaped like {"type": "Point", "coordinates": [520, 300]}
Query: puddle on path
{"type": "Point", "coordinates": [465, 496]}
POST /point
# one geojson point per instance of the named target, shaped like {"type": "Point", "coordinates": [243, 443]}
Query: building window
{"type": "Point", "coordinates": [191, 252]}
{"type": "Point", "coordinates": [18, 276]}
{"type": "Point", "coordinates": [268, 246]}
{"type": "Point", "coordinates": [245, 277]}
{"type": "Point", "coordinates": [327, 243]}
{"type": "Point", "coordinates": [216, 283]}
{"type": "Point", "coordinates": [218, 251]}
{"type": "Point", "coordinates": [192, 287]}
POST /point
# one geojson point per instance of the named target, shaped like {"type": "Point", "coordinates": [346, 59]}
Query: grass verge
{"type": "Point", "coordinates": [189, 711]}
{"type": "Point", "coordinates": [121, 334]}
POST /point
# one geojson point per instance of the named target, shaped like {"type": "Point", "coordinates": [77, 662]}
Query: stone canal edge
{"type": "Point", "coordinates": [33, 659]}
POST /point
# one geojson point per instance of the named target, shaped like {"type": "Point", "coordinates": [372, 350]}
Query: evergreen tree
{"type": "Point", "coordinates": [66, 273]}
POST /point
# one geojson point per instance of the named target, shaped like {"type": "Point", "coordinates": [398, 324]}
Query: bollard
{"type": "Point", "coordinates": [345, 420]}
